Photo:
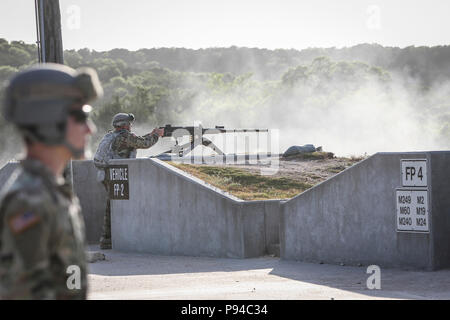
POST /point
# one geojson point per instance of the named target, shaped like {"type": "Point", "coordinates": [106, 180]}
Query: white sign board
{"type": "Point", "coordinates": [414, 172]}
{"type": "Point", "coordinates": [412, 210]}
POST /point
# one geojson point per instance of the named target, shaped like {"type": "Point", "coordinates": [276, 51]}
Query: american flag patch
{"type": "Point", "coordinates": [23, 220]}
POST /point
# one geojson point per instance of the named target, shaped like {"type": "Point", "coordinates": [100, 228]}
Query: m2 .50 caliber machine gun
{"type": "Point", "coordinates": [196, 137]}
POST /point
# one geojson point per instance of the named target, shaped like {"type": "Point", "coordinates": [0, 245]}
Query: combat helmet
{"type": "Point", "coordinates": [40, 99]}
{"type": "Point", "coordinates": [122, 119]}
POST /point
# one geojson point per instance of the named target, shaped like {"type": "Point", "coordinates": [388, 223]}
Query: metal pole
{"type": "Point", "coordinates": [38, 42]}
{"type": "Point", "coordinates": [42, 30]}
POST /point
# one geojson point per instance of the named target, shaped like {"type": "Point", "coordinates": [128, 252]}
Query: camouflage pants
{"type": "Point", "coordinates": [105, 239]}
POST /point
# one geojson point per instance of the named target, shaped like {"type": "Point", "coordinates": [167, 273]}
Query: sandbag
{"type": "Point", "coordinates": [293, 150]}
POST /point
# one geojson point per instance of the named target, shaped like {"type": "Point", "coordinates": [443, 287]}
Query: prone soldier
{"type": "Point", "coordinates": [119, 143]}
{"type": "Point", "coordinates": [42, 235]}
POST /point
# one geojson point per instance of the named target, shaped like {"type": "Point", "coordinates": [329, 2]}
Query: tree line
{"type": "Point", "coordinates": [165, 85]}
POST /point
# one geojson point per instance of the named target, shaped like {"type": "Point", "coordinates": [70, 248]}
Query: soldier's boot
{"type": "Point", "coordinates": [105, 240]}
{"type": "Point", "coordinates": [105, 243]}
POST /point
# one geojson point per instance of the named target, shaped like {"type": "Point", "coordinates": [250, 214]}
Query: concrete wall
{"type": "Point", "coordinates": [261, 221]}
{"type": "Point", "coordinates": [351, 218]}
{"type": "Point", "coordinates": [440, 201]}
{"type": "Point", "coordinates": [172, 213]}
{"type": "Point", "coordinates": [188, 217]}
{"type": "Point", "coordinates": [92, 197]}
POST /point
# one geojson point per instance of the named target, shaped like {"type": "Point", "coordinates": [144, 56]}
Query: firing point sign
{"type": "Point", "coordinates": [412, 198]}
{"type": "Point", "coordinates": [414, 172]}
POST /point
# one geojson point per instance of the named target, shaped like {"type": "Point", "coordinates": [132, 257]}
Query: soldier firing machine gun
{"type": "Point", "coordinates": [196, 137]}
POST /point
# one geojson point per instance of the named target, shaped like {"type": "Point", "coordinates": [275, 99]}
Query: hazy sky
{"type": "Point", "coordinates": [134, 24]}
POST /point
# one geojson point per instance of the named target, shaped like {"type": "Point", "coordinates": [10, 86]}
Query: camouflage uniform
{"type": "Point", "coordinates": [123, 146]}
{"type": "Point", "coordinates": [42, 234]}
{"type": "Point", "coordinates": [42, 244]}
{"type": "Point", "coordinates": [126, 143]}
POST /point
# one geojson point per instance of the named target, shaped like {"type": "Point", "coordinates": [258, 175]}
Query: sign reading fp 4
{"type": "Point", "coordinates": [414, 172]}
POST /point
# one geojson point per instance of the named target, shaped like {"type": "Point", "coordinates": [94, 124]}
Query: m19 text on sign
{"type": "Point", "coordinates": [412, 210]}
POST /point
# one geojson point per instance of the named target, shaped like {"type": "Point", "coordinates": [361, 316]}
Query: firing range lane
{"type": "Point", "coordinates": [144, 276]}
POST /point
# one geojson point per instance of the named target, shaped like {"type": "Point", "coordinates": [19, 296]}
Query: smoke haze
{"type": "Point", "coordinates": [348, 108]}
{"type": "Point", "coordinates": [354, 116]}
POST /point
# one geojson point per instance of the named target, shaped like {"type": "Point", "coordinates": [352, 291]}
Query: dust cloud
{"type": "Point", "coordinates": [346, 118]}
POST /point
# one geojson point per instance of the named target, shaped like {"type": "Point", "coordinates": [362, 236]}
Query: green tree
{"type": "Point", "coordinates": [6, 72]}
{"type": "Point", "coordinates": [73, 59]}
{"type": "Point", "coordinates": [18, 57]}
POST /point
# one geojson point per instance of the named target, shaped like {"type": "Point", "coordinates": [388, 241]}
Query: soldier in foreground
{"type": "Point", "coordinates": [42, 238]}
{"type": "Point", "coordinates": [119, 143]}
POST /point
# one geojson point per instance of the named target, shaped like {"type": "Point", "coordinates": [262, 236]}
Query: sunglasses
{"type": "Point", "coordinates": [80, 115]}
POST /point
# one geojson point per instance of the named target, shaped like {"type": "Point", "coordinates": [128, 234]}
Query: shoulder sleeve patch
{"type": "Point", "coordinates": [23, 220]}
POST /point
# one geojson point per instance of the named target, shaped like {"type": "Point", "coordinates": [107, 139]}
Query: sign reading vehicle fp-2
{"type": "Point", "coordinates": [118, 182]}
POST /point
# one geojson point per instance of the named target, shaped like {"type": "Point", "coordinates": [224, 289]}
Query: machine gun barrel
{"type": "Point", "coordinates": [196, 138]}
{"type": "Point", "coordinates": [169, 130]}
{"type": "Point", "coordinates": [244, 130]}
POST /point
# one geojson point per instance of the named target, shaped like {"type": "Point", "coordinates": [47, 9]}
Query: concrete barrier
{"type": "Point", "coordinates": [92, 195]}
{"type": "Point", "coordinates": [352, 217]}
{"type": "Point", "coordinates": [172, 213]}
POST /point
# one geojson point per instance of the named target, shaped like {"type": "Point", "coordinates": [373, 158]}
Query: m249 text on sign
{"type": "Point", "coordinates": [412, 210]}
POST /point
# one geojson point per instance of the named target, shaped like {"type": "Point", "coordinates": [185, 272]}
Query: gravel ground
{"type": "Point", "coordinates": [130, 276]}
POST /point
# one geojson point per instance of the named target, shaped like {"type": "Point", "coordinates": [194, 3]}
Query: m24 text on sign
{"type": "Point", "coordinates": [412, 210]}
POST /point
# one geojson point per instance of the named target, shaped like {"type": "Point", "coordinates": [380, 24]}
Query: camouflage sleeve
{"type": "Point", "coordinates": [26, 230]}
{"type": "Point", "coordinates": [136, 142]}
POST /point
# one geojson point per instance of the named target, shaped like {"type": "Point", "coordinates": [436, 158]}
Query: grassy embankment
{"type": "Point", "coordinates": [251, 186]}
{"type": "Point", "coordinates": [243, 184]}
